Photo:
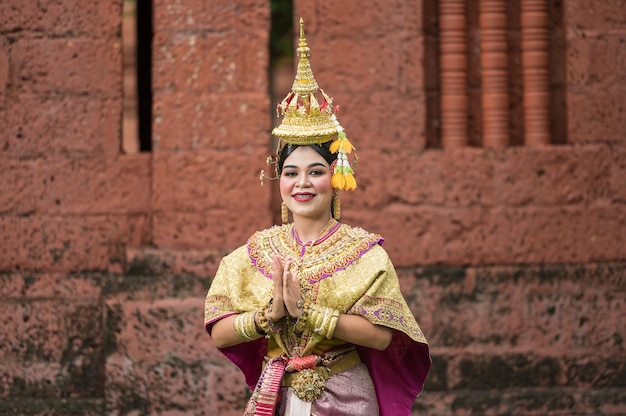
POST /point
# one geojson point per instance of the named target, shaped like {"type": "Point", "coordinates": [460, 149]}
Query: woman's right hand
{"type": "Point", "coordinates": [279, 270]}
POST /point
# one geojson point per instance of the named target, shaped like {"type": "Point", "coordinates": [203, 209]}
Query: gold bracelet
{"type": "Point", "coordinates": [245, 327]}
{"type": "Point", "coordinates": [332, 324]}
{"type": "Point", "coordinates": [323, 320]}
{"type": "Point", "coordinates": [320, 321]}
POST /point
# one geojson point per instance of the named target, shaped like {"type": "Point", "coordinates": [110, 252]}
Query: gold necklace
{"type": "Point", "coordinates": [325, 229]}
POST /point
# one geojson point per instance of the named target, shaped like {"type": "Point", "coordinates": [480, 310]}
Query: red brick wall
{"type": "Point", "coordinates": [512, 260]}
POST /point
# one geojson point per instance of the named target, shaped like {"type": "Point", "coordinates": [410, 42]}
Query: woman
{"type": "Point", "coordinates": [311, 311]}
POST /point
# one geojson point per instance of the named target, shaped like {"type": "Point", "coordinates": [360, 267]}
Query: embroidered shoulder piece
{"type": "Point", "coordinates": [343, 246]}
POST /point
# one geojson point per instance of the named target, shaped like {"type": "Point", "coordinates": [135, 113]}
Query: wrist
{"type": "Point", "coordinates": [257, 323]}
{"type": "Point", "coordinates": [321, 320]}
{"type": "Point", "coordinates": [245, 326]}
{"type": "Point", "coordinates": [268, 320]}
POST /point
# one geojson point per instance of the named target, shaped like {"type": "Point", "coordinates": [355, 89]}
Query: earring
{"type": "Point", "coordinates": [284, 212]}
{"type": "Point", "coordinates": [336, 207]}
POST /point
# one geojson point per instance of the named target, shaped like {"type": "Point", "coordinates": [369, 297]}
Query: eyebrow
{"type": "Point", "coordinates": [312, 165]}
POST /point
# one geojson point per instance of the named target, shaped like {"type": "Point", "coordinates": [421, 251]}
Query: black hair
{"type": "Point", "coordinates": [322, 149]}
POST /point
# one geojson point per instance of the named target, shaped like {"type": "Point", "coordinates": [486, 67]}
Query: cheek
{"type": "Point", "coordinates": [285, 186]}
{"type": "Point", "coordinates": [323, 184]}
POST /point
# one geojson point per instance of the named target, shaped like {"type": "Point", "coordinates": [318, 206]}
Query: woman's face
{"type": "Point", "coordinates": [305, 184]}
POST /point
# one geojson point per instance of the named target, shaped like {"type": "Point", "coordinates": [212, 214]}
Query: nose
{"type": "Point", "coordinates": [303, 181]}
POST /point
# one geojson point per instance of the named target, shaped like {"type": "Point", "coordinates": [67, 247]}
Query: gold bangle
{"type": "Point", "coordinates": [245, 327]}
{"type": "Point", "coordinates": [323, 320]}
{"type": "Point", "coordinates": [332, 324]}
{"type": "Point", "coordinates": [319, 323]}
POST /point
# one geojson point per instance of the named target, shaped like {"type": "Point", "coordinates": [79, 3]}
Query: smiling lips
{"type": "Point", "coordinates": [303, 197]}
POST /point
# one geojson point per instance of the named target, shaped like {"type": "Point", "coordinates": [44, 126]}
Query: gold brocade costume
{"type": "Point", "coordinates": [346, 269]}
{"type": "Point", "coordinates": [299, 365]}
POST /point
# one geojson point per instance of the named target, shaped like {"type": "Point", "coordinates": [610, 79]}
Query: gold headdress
{"type": "Point", "coordinates": [306, 121]}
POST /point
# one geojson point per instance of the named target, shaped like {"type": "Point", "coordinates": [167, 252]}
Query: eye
{"type": "Point", "coordinates": [317, 172]}
{"type": "Point", "coordinates": [289, 174]}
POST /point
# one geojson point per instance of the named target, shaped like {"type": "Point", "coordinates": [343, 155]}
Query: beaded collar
{"type": "Point", "coordinates": [334, 250]}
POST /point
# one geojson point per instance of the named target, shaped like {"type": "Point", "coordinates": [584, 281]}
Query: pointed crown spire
{"type": "Point", "coordinates": [309, 118]}
{"type": "Point", "coordinates": [305, 119]}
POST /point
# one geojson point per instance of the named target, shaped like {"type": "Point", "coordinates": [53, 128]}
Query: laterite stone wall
{"type": "Point", "coordinates": [513, 261]}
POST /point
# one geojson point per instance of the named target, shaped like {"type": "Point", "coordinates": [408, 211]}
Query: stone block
{"type": "Point", "coordinates": [552, 176]}
{"type": "Point", "coordinates": [45, 407]}
{"type": "Point", "coordinates": [18, 186]}
{"type": "Point", "coordinates": [599, 15]}
{"type": "Point", "coordinates": [618, 175]}
{"type": "Point", "coordinates": [174, 386]}
{"type": "Point", "coordinates": [211, 62]}
{"type": "Point", "coordinates": [198, 15]}
{"type": "Point", "coordinates": [596, 115]}
{"type": "Point", "coordinates": [82, 17]}
{"type": "Point", "coordinates": [605, 237]}
{"type": "Point", "coordinates": [434, 178]}
{"type": "Point", "coordinates": [522, 402]}
{"type": "Point", "coordinates": [412, 76]}
{"type": "Point", "coordinates": [532, 235]}
{"type": "Point", "coordinates": [426, 235]}
{"type": "Point", "coordinates": [152, 368]}
{"type": "Point", "coordinates": [374, 124]}
{"type": "Point", "coordinates": [595, 59]}
{"type": "Point", "coordinates": [16, 286]}
{"type": "Point", "coordinates": [524, 309]}
{"type": "Point", "coordinates": [188, 121]}
{"type": "Point", "coordinates": [207, 180]}
{"type": "Point", "coordinates": [485, 372]}
{"type": "Point", "coordinates": [19, 239]}
{"type": "Point", "coordinates": [28, 381]}
{"type": "Point", "coordinates": [140, 287]}
{"type": "Point", "coordinates": [4, 75]}
{"type": "Point", "coordinates": [347, 69]}
{"type": "Point", "coordinates": [467, 178]}
{"type": "Point", "coordinates": [62, 125]}
{"type": "Point", "coordinates": [160, 261]}
{"type": "Point", "coordinates": [53, 348]}
{"type": "Point", "coordinates": [150, 330]}
{"type": "Point", "coordinates": [213, 229]}
{"type": "Point", "coordinates": [328, 20]}
{"type": "Point", "coordinates": [478, 235]}
{"type": "Point", "coordinates": [95, 186]}
{"type": "Point", "coordinates": [67, 65]}
{"type": "Point", "coordinates": [68, 243]}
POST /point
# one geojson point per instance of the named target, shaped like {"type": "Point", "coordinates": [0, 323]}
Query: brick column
{"type": "Point", "coordinates": [453, 62]}
{"type": "Point", "coordinates": [493, 60]}
{"type": "Point", "coordinates": [536, 72]}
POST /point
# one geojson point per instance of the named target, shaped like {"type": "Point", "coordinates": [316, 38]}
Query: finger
{"type": "Point", "coordinates": [277, 268]}
{"type": "Point", "coordinates": [287, 265]}
{"type": "Point", "coordinates": [287, 271]}
{"type": "Point", "coordinates": [277, 264]}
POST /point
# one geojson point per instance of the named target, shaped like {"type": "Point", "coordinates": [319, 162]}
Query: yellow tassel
{"type": "Point", "coordinates": [338, 181]}
{"type": "Point", "coordinates": [350, 182]}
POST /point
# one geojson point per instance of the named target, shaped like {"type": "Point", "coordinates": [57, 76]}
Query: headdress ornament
{"type": "Point", "coordinates": [309, 118]}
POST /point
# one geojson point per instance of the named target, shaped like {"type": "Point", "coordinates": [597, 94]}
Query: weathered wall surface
{"type": "Point", "coordinates": [512, 260]}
